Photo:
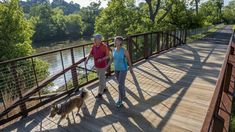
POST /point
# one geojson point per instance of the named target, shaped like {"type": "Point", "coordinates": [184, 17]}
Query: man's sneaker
{"type": "Point", "coordinates": [105, 90]}
{"type": "Point", "coordinates": [98, 96]}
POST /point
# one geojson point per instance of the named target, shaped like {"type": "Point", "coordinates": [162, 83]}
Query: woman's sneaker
{"type": "Point", "coordinates": [119, 104]}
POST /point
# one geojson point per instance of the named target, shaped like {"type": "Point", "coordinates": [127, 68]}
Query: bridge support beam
{"type": "Point", "coordinates": [146, 47]}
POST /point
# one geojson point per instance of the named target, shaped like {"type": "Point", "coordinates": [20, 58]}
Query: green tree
{"type": "Point", "coordinates": [115, 19]}
{"type": "Point", "coordinates": [74, 26]}
{"type": "Point", "coordinates": [182, 17]}
{"type": "Point", "coordinates": [89, 15]}
{"type": "Point", "coordinates": [59, 24]}
{"type": "Point", "coordinates": [229, 13]}
{"type": "Point", "coordinates": [68, 8]}
{"type": "Point", "coordinates": [210, 11]}
{"type": "Point", "coordinates": [45, 29]}
{"type": "Point", "coordinates": [155, 7]}
{"type": "Point", "coordinates": [52, 25]}
{"type": "Point", "coordinates": [178, 17]}
{"type": "Point", "coordinates": [15, 34]}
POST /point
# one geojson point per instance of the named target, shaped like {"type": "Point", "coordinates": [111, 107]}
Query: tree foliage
{"type": "Point", "coordinates": [116, 18]}
{"type": "Point", "coordinates": [210, 10]}
{"type": "Point", "coordinates": [68, 8]}
{"type": "Point", "coordinates": [88, 15]}
{"type": "Point", "coordinates": [229, 13]}
{"type": "Point", "coordinates": [15, 41]}
{"type": "Point", "coordinates": [15, 32]}
{"type": "Point", "coordinates": [52, 25]}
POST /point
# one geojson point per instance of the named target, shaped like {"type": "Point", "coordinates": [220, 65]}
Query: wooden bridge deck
{"type": "Point", "coordinates": [167, 92]}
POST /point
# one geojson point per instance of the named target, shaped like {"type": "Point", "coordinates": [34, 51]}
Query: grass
{"type": "Point", "coordinates": [201, 35]}
{"type": "Point", "coordinates": [232, 122]}
{"type": "Point", "coordinates": [233, 27]}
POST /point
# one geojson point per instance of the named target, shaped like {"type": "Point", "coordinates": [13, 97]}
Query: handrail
{"type": "Point", "coordinates": [213, 110]}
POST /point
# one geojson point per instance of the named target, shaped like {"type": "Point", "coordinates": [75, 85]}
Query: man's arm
{"type": "Point", "coordinates": [106, 56]}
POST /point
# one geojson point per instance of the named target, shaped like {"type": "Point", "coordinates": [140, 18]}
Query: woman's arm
{"type": "Point", "coordinates": [127, 55]}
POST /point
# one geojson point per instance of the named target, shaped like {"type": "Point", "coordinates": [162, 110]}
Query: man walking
{"type": "Point", "coordinates": [100, 53]}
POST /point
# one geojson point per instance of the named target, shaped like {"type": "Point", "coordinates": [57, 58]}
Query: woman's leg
{"type": "Point", "coordinates": [121, 86]}
{"type": "Point", "coordinates": [117, 74]}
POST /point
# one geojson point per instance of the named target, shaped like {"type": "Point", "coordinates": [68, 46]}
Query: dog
{"type": "Point", "coordinates": [66, 107]}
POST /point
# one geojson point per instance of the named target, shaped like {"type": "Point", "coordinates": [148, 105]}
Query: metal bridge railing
{"type": "Point", "coordinates": [28, 83]}
{"type": "Point", "coordinates": [219, 112]}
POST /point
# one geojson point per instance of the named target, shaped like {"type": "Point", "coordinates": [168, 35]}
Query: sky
{"type": "Point", "coordinates": [104, 3]}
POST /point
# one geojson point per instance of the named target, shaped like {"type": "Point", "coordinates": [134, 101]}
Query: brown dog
{"type": "Point", "coordinates": [66, 107]}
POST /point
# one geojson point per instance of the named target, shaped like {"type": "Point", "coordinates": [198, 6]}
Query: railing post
{"type": "Point", "coordinates": [158, 42]}
{"type": "Point", "coordinates": [167, 40]}
{"type": "Point", "coordinates": [181, 41]}
{"type": "Point", "coordinates": [73, 70]}
{"type": "Point", "coordinates": [18, 88]}
{"type": "Point", "coordinates": [174, 41]}
{"type": "Point", "coordinates": [151, 46]}
{"type": "Point", "coordinates": [171, 39]}
{"type": "Point", "coordinates": [129, 46]}
{"type": "Point", "coordinates": [146, 46]}
{"type": "Point", "coordinates": [163, 41]}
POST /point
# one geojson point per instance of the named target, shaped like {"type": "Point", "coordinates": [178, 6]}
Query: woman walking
{"type": "Point", "coordinates": [120, 58]}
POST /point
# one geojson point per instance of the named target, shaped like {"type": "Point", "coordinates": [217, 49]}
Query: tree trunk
{"type": "Point", "coordinates": [196, 3]}
{"type": "Point", "coordinates": [153, 14]}
{"type": "Point", "coordinates": [167, 11]}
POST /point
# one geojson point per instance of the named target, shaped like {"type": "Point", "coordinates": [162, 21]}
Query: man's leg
{"type": "Point", "coordinates": [101, 76]}
{"type": "Point", "coordinates": [98, 74]}
{"type": "Point", "coordinates": [102, 80]}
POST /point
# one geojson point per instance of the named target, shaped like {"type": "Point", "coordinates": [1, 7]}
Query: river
{"type": "Point", "coordinates": [55, 65]}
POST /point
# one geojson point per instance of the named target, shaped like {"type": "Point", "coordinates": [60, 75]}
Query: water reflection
{"type": "Point", "coordinates": [56, 65]}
